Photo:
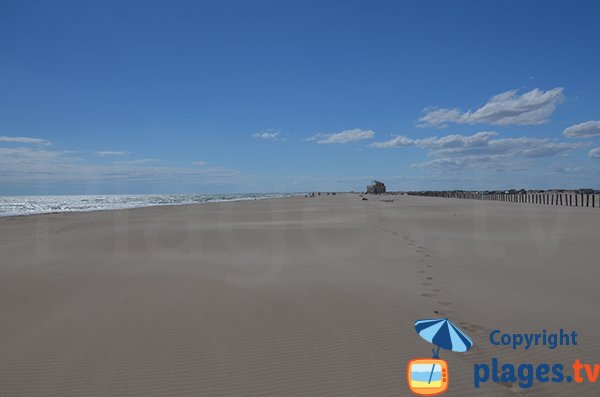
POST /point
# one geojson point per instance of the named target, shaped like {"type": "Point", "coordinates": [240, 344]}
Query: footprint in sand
{"type": "Point", "coordinates": [427, 295]}
{"type": "Point", "coordinates": [445, 303]}
{"type": "Point", "coordinates": [513, 387]}
{"type": "Point", "coordinates": [472, 328]}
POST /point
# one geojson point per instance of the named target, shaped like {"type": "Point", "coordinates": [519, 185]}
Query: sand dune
{"type": "Point", "coordinates": [296, 296]}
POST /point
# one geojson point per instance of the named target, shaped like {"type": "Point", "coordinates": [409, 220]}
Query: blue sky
{"type": "Point", "coordinates": [247, 96]}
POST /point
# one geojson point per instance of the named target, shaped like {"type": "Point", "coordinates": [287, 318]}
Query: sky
{"type": "Point", "coordinates": [100, 97]}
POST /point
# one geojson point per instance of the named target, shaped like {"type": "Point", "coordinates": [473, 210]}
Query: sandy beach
{"type": "Point", "coordinates": [289, 297]}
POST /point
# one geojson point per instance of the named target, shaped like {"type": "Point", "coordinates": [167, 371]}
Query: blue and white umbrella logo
{"type": "Point", "coordinates": [443, 334]}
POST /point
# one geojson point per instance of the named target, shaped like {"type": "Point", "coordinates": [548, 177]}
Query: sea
{"type": "Point", "coordinates": [30, 205]}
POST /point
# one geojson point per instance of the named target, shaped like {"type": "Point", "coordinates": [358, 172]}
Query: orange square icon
{"type": "Point", "coordinates": [427, 376]}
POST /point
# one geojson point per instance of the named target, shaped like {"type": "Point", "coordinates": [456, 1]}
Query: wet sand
{"type": "Point", "coordinates": [296, 296]}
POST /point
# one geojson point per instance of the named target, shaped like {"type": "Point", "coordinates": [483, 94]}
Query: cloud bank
{"type": "Point", "coordinates": [507, 108]}
{"type": "Point", "coordinates": [461, 150]}
{"type": "Point", "coordinates": [36, 166]}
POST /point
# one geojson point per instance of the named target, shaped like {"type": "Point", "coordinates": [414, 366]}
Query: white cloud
{"type": "Point", "coordinates": [532, 107]}
{"type": "Point", "coordinates": [457, 151]}
{"type": "Point", "coordinates": [397, 141]}
{"type": "Point", "coordinates": [345, 136]}
{"type": "Point", "coordinates": [199, 163]}
{"type": "Point", "coordinates": [583, 130]}
{"type": "Point", "coordinates": [109, 153]}
{"type": "Point", "coordinates": [270, 135]}
{"type": "Point", "coordinates": [594, 153]}
{"type": "Point", "coordinates": [454, 163]}
{"type": "Point", "coordinates": [448, 142]}
{"type": "Point", "coordinates": [22, 139]}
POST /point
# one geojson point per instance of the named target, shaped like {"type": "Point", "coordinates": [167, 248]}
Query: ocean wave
{"type": "Point", "coordinates": [31, 205]}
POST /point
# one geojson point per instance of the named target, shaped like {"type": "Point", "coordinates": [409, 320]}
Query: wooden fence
{"type": "Point", "coordinates": [569, 199]}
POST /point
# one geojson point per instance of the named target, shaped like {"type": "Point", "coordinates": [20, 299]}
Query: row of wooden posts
{"type": "Point", "coordinates": [569, 199]}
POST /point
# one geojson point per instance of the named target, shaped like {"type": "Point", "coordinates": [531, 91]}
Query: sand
{"type": "Point", "coordinates": [289, 297]}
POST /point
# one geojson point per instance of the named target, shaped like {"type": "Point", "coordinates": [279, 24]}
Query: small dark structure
{"type": "Point", "coordinates": [376, 187]}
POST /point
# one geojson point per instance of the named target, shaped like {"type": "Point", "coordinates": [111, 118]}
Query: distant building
{"type": "Point", "coordinates": [376, 187]}
{"type": "Point", "coordinates": [585, 191]}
